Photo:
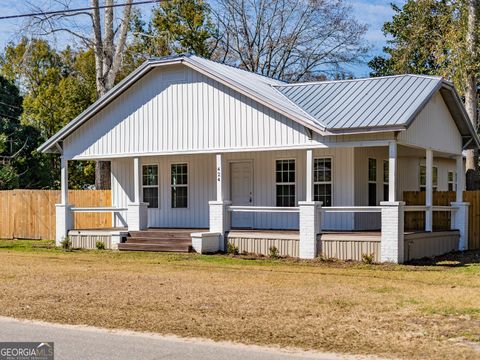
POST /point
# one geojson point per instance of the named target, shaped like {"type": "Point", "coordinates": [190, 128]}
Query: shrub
{"type": "Point", "coordinates": [273, 252]}
{"type": "Point", "coordinates": [66, 243]}
{"type": "Point", "coordinates": [368, 258]}
{"type": "Point", "coordinates": [232, 249]}
{"type": "Point", "coordinates": [100, 245]}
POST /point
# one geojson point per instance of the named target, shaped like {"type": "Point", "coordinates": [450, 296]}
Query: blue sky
{"type": "Point", "coordinates": [373, 13]}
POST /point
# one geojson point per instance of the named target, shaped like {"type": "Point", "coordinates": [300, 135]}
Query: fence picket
{"type": "Point", "coordinates": [30, 214]}
{"type": "Point", "coordinates": [415, 221]}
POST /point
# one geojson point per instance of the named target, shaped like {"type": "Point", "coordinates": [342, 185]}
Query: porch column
{"type": "Point", "coordinates": [459, 219]}
{"type": "Point", "coordinates": [63, 213]}
{"type": "Point", "coordinates": [219, 217]}
{"type": "Point", "coordinates": [137, 214]}
{"type": "Point", "coordinates": [392, 237]}
{"type": "Point", "coordinates": [392, 171]}
{"type": "Point", "coordinates": [309, 214]}
{"type": "Point", "coordinates": [460, 169]}
{"type": "Point", "coordinates": [429, 190]}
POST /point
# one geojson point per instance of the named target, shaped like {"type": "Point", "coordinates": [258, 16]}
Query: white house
{"type": "Point", "coordinates": [195, 144]}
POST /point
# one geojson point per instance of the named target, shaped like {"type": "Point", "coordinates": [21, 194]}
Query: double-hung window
{"type": "Point", "coordinates": [179, 185]}
{"type": "Point", "coordinates": [285, 182]}
{"type": "Point", "coordinates": [322, 181]}
{"type": "Point", "coordinates": [452, 181]}
{"type": "Point", "coordinates": [423, 178]}
{"type": "Point", "coordinates": [372, 182]}
{"type": "Point", "coordinates": [150, 185]}
{"type": "Point", "coordinates": [385, 180]}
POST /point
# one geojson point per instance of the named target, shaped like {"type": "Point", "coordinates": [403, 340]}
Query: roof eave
{"type": "Point", "coordinates": [367, 130]}
{"type": "Point", "coordinates": [463, 113]}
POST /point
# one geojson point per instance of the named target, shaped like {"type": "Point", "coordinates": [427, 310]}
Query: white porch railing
{"type": "Point", "coordinates": [270, 209]}
{"type": "Point", "coordinates": [434, 208]}
{"type": "Point", "coordinates": [296, 209]}
{"type": "Point", "coordinates": [351, 209]}
{"type": "Point", "coordinates": [100, 209]}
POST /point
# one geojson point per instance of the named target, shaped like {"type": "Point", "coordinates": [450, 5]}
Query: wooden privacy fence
{"type": "Point", "coordinates": [30, 214]}
{"type": "Point", "coordinates": [415, 220]}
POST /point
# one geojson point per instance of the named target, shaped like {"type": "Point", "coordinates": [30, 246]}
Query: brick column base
{"type": "Point", "coordinates": [137, 216]}
{"type": "Point", "coordinates": [219, 219]}
{"type": "Point", "coordinates": [460, 222]}
{"type": "Point", "coordinates": [392, 240]}
{"type": "Point", "coordinates": [309, 228]}
{"type": "Point", "coordinates": [64, 222]}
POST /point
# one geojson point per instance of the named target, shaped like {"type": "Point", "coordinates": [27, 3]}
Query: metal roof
{"type": "Point", "coordinates": [327, 107]}
{"type": "Point", "coordinates": [363, 103]}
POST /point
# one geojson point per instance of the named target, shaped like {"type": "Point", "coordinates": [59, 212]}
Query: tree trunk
{"type": "Point", "coordinates": [102, 175]}
{"type": "Point", "coordinates": [108, 61]}
{"type": "Point", "coordinates": [471, 101]}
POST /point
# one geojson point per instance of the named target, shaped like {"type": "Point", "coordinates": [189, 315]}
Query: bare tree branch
{"type": "Point", "coordinates": [289, 39]}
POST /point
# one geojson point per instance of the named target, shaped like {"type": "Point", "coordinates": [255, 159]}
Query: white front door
{"type": "Point", "coordinates": [241, 189]}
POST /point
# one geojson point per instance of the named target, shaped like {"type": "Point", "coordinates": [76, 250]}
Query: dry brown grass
{"type": "Point", "coordinates": [398, 311]}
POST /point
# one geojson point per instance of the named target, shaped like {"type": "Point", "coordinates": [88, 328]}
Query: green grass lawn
{"type": "Point", "coordinates": [427, 311]}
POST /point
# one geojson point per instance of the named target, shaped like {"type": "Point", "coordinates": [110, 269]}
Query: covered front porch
{"type": "Point", "coordinates": [342, 201]}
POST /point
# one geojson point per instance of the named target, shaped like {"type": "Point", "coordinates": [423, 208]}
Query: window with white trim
{"type": "Point", "coordinates": [452, 181]}
{"type": "Point", "coordinates": [423, 178]}
{"type": "Point", "coordinates": [385, 180]}
{"type": "Point", "coordinates": [322, 181]}
{"type": "Point", "coordinates": [285, 182]}
{"type": "Point", "coordinates": [179, 185]}
{"type": "Point", "coordinates": [372, 182]}
{"type": "Point", "coordinates": [150, 185]}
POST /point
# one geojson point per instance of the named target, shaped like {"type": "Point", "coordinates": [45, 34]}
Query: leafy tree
{"type": "Point", "coordinates": [57, 86]}
{"type": "Point", "coordinates": [20, 163]}
{"type": "Point", "coordinates": [425, 37]}
{"type": "Point", "coordinates": [186, 26]}
{"type": "Point", "coordinates": [178, 26]}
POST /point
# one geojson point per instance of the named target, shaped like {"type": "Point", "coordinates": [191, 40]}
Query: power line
{"type": "Point", "coordinates": [59, 12]}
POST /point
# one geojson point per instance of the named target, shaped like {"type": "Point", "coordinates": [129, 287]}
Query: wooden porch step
{"type": "Point", "coordinates": [152, 240]}
{"type": "Point", "coordinates": [161, 234]}
{"type": "Point", "coordinates": [154, 247]}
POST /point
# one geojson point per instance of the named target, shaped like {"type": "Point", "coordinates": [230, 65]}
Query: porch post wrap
{"type": "Point", "coordinates": [137, 213]}
{"type": "Point", "coordinates": [63, 180]}
{"type": "Point", "coordinates": [63, 212]}
{"type": "Point", "coordinates": [429, 190]}
{"type": "Point", "coordinates": [309, 176]}
{"type": "Point", "coordinates": [392, 171]}
{"type": "Point", "coordinates": [460, 179]}
{"type": "Point", "coordinates": [219, 176]}
{"type": "Point", "coordinates": [310, 218]}
{"type": "Point", "coordinates": [392, 238]}
{"type": "Point", "coordinates": [136, 180]}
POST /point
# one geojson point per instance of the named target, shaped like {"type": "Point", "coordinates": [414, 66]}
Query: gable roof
{"type": "Point", "coordinates": [388, 103]}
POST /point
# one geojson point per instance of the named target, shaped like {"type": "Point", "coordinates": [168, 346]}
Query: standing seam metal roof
{"type": "Point", "coordinates": [362, 103]}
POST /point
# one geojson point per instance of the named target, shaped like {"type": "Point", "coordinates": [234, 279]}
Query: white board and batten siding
{"type": "Point", "coordinates": [180, 110]}
{"type": "Point", "coordinates": [202, 187]}
{"type": "Point", "coordinates": [434, 128]}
